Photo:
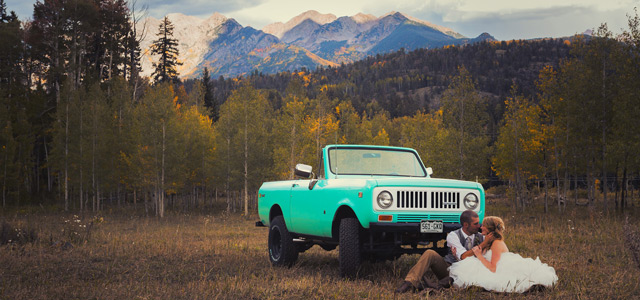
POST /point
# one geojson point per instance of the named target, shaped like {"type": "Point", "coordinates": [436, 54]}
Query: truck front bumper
{"type": "Point", "coordinates": [405, 238]}
{"type": "Point", "coordinates": [407, 227]}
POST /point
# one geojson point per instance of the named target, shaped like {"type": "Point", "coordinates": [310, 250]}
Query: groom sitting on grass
{"type": "Point", "coordinates": [460, 243]}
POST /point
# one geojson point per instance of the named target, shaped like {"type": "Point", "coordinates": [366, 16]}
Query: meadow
{"type": "Point", "coordinates": [123, 255]}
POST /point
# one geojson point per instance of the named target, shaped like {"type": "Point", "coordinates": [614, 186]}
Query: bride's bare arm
{"type": "Point", "coordinates": [497, 248]}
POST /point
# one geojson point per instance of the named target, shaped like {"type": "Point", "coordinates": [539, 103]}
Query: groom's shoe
{"type": "Point", "coordinates": [446, 282]}
{"type": "Point", "coordinates": [405, 287]}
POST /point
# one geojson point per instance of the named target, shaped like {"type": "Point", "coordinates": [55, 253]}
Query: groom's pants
{"type": "Point", "coordinates": [429, 260]}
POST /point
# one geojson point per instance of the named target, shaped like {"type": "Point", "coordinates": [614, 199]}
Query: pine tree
{"type": "Point", "coordinates": [166, 47]}
{"type": "Point", "coordinates": [10, 49]}
{"type": "Point", "coordinates": [115, 32]}
{"type": "Point", "coordinates": [209, 100]}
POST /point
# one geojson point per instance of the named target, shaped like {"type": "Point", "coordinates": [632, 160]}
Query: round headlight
{"type": "Point", "coordinates": [471, 201]}
{"type": "Point", "coordinates": [385, 199]}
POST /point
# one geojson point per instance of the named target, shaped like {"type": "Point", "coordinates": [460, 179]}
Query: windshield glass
{"type": "Point", "coordinates": [368, 161]}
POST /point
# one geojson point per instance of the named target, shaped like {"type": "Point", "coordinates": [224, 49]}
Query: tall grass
{"type": "Point", "coordinates": [196, 256]}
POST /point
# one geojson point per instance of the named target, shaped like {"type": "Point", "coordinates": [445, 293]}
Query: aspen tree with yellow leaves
{"type": "Point", "coordinates": [374, 128]}
{"type": "Point", "coordinates": [551, 109]}
{"type": "Point", "coordinates": [519, 146]}
{"type": "Point", "coordinates": [322, 125]}
{"type": "Point", "coordinates": [292, 147]}
{"type": "Point", "coordinates": [426, 133]}
{"type": "Point", "coordinates": [157, 136]}
{"type": "Point", "coordinates": [245, 127]}
{"type": "Point", "coordinates": [465, 116]}
{"type": "Point", "coordinates": [348, 119]}
{"type": "Point", "coordinates": [626, 127]}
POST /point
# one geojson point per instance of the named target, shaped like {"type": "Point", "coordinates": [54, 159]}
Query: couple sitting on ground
{"type": "Point", "coordinates": [478, 256]}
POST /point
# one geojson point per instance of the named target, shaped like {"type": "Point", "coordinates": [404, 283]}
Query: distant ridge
{"type": "Point", "coordinates": [309, 40]}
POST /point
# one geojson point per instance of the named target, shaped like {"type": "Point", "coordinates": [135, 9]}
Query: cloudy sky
{"type": "Point", "coordinates": [504, 19]}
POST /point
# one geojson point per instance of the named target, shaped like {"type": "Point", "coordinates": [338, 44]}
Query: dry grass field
{"type": "Point", "coordinates": [118, 255]}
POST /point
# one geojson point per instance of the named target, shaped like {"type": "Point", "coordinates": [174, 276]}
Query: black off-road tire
{"type": "Point", "coordinates": [349, 251]}
{"type": "Point", "coordinates": [282, 251]}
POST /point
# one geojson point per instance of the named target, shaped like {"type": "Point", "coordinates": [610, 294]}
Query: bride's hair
{"type": "Point", "coordinates": [494, 225]}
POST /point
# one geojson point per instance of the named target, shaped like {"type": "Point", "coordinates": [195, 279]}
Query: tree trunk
{"type": "Point", "coordinates": [228, 174]}
{"type": "Point", "coordinates": [161, 196]}
{"type": "Point", "coordinates": [461, 144]}
{"type": "Point", "coordinates": [46, 157]}
{"type": "Point", "coordinates": [246, 164]}
{"type": "Point", "coordinates": [617, 186]}
{"type": "Point", "coordinates": [93, 156]}
{"type": "Point", "coordinates": [576, 183]}
{"type": "Point", "coordinates": [80, 162]}
{"type": "Point", "coordinates": [557, 167]}
{"type": "Point", "coordinates": [623, 193]}
{"type": "Point", "coordinates": [632, 193]}
{"type": "Point", "coordinates": [515, 144]}
{"type": "Point", "coordinates": [293, 147]}
{"type": "Point", "coordinates": [204, 179]}
{"type": "Point", "coordinates": [319, 133]}
{"type": "Point", "coordinates": [145, 194]}
{"type": "Point", "coordinates": [546, 193]}
{"type": "Point", "coordinates": [66, 159]}
{"type": "Point", "coordinates": [605, 186]}
{"type": "Point", "coordinates": [4, 178]}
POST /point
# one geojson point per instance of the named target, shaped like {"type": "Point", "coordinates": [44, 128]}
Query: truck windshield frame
{"type": "Point", "coordinates": [375, 162]}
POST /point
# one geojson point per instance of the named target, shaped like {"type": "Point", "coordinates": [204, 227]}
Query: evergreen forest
{"type": "Point", "coordinates": [80, 130]}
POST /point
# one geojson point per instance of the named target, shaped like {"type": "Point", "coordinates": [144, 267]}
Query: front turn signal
{"type": "Point", "coordinates": [385, 218]}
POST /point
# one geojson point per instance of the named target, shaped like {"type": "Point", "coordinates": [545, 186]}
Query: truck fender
{"type": "Point", "coordinates": [345, 210]}
{"type": "Point", "coordinates": [274, 212]}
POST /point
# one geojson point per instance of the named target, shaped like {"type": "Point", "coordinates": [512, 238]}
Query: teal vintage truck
{"type": "Point", "coordinates": [373, 202]}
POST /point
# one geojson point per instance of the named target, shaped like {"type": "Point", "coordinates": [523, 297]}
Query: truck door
{"type": "Point", "coordinates": [308, 211]}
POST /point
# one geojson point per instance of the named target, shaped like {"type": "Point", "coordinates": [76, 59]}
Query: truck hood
{"type": "Point", "coordinates": [427, 182]}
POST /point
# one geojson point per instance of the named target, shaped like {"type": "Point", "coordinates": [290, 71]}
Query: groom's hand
{"type": "Point", "coordinates": [477, 251]}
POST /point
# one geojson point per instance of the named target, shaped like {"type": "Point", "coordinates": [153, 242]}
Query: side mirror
{"type": "Point", "coordinates": [429, 171]}
{"type": "Point", "coordinates": [302, 170]}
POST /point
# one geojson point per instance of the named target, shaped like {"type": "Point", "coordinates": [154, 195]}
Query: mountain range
{"type": "Point", "coordinates": [308, 40]}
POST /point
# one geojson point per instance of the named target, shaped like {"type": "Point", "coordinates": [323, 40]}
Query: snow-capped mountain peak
{"type": "Point", "coordinates": [363, 18]}
{"type": "Point", "coordinates": [279, 29]}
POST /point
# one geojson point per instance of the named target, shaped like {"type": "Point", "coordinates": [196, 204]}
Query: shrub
{"type": "Point", "coordinates": [632, 237]}
{"type": "Point", "coordinates": [10, 234]}
{"type": "Point", "coordinates": [499, 190]}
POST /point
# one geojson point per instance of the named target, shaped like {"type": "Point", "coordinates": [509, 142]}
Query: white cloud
{"type": "Point", "coordinates": [505, 19]}
{"type": "Point", "coordinates": [519, 19]}
{"type": "Point", "coordinates": [202, 8]}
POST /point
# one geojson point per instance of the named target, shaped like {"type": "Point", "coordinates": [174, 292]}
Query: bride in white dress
{"type": "Point", "coordinates": [494, 268]}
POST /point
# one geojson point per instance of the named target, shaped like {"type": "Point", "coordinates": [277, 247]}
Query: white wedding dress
{"type": "Point", "coordinates": [513, 273]}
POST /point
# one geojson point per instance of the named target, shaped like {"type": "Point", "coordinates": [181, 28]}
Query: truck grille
{"type": "Point", "coordinates": [446, 200]}
{"type": "Point", "coordinates": [427, 199]}
{"type": "Point", "coordinates": [420, 217]}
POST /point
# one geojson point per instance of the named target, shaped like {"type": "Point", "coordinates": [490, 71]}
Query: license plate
{"type": "Point", "coordinates": [431, 226]}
